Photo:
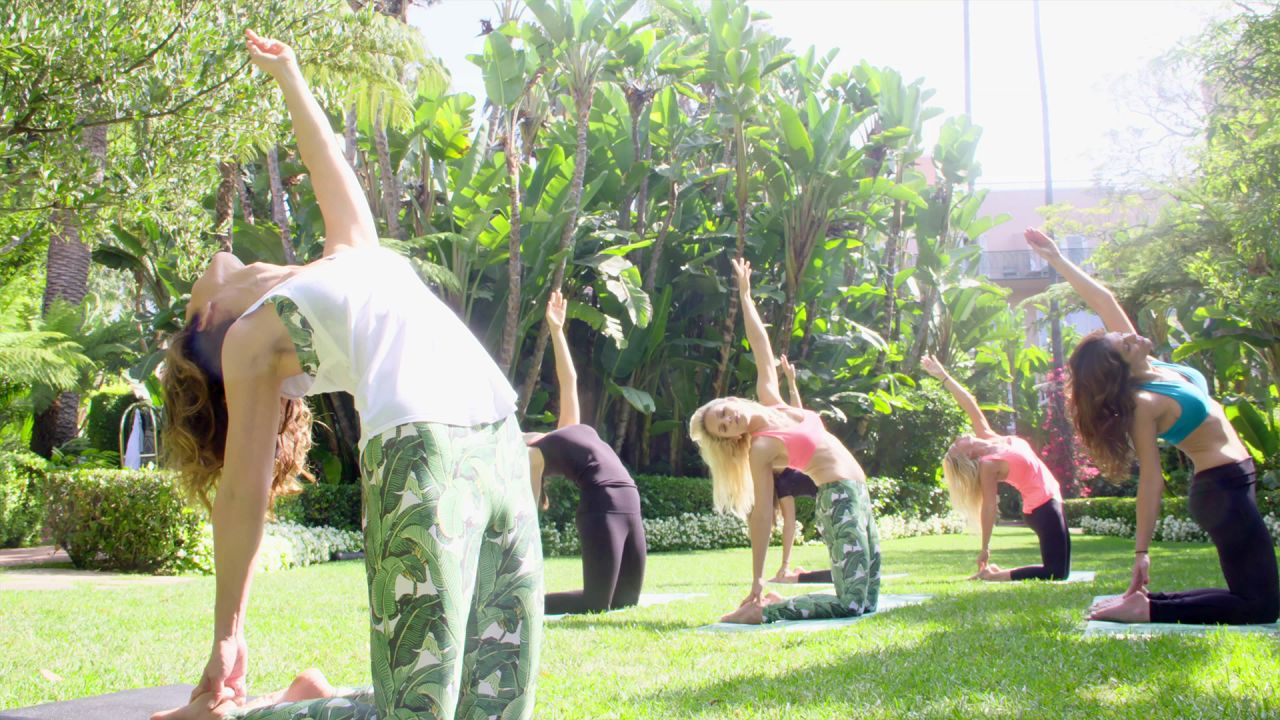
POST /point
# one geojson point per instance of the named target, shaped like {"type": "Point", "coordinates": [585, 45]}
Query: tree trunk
{"type": "Point", "coordinates": [246, 200]}
{"type": "Point", "coordinates": [731, 318]}
{"type": "Point", "coordinates": [279, 215]}
{"type": "Point", "coordinates": [67, 280]}
{"type": "Point", "coordinates": [506, 354]}
{"type": "Point", "coordinates": [389, 184]}
{"type": "Point", "coordinates": [583, 103]}
{"type": "Point", "coordinates": [341, 408]}
{"type": "Point", "coordinates": [349, 135]}
{"type": "Point", "coordinates": [225, 204]}
{"type": "Point", "coordinates": [655, 254]}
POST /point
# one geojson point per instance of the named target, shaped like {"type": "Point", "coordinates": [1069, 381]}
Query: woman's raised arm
{"type": "Point", "coordinates": [1098, 298]}
{"type": "Point", "coordinates": [566, 375]}
{"type": "Point", "coordinates": [348, 221]}
{"type": "Point", "coordinates": [963, 397]}
{"type": "Point", "coordinates": [767, 388]}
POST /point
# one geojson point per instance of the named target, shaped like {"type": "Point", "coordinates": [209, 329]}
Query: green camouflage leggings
{"type": "Point", "coordinates": [843, 514]}
{"type": "Point", "coordinates": [454, 563]}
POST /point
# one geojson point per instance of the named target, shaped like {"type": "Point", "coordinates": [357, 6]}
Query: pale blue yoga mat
{"type": "Point", "coordinates": [886, 603]}
{"type": "Point", "coordinates": [1080, 576]}
{"type": "Point", "coordinates": [646, 600]}
{"type": "Point", "coordinates": [1103, 628]}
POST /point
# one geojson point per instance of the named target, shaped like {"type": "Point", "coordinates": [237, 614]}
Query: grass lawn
{"type": "Point", "coordinates": [973, 651]}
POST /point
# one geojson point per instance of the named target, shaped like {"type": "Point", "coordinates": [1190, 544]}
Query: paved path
{"type": "Point", "coordinates": [20, 569]}
{"type": "Point", "coordinates": [43, 555]}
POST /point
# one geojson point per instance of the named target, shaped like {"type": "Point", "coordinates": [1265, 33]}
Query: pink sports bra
{"type": "Point", "coordinates": [801, 439]}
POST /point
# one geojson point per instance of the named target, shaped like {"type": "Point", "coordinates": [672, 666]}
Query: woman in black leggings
{"type": "Point", "coordinates": [609, 526]}
{"type": "Point", "coordinates": [1123, 401]}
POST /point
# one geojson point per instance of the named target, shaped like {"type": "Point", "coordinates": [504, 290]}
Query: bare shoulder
{"type": "Point", "coordinates": [765, 449]}
{"type": "Point", "coordinates": [257, 345]}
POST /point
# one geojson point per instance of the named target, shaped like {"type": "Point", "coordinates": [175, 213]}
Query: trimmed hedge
{"type": "Point", "coordinates": [1125, 509]}
{"type": "Point", "coordinates": [131, 520]}
{"type": "Point", "coordinates": [661, 496]}
{"type": "Point", "coordinates": [322, 505]}
{"type": "Point", "coordinates": [21, 497]}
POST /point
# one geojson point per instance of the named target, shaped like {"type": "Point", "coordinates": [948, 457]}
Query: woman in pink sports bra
{"type": "Point", "coordinates": [743, 441]}
{"type": "Point", "coordinates": [975, 464]}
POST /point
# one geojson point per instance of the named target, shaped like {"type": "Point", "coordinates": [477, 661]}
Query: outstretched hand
{"type": "Point", "coordinates": [742, 274]}
{"type": "Point", "coordinates": [933, 367]}
{"type": "Point", "coordinates": [224, 674]}
{"type": "Point", "coordinates": [1042, 244]}
{"type": "Point", "coordinates": [557, 311]}
{"type": "Point", "coordinates": [271, 56]}
{"type": "Point", "coordinates": [1141, 575]}
{"type": "Point", "coordinates": [787, 368]}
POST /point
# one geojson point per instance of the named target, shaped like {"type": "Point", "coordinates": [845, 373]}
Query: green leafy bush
{"type": "Point", "coordinates": [1126, 509]}
{"type": "Point", "coordinates": [908, 445]}
{"type": "Point", "coordinates": [660, 496]}
{"type": "Point", "coordinates": [284, 545]}
{"type": "Point", "coordinates": [102, 427]}
{"type": "Point", "coordinates": [336, 506]}
{"type": "Point", "coordinates": [134, 520]}
{"type": "Point", "coordinates": [21, 497]}
{"type": "Point", "coordinates": [713, 531]}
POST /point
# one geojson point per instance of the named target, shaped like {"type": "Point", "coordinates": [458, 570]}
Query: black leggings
{"type": "Point", "coordinates": [1050, 525]}
{"type": "Point", "coordinates": [817, 576]}
{"type": "Point", "coordinates": [613, 553]}
{"type": "Point", "coordinates": [1222, 504]}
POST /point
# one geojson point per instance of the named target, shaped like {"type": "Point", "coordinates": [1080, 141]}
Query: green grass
{"type": "Point", "coordinates": [975, 650]}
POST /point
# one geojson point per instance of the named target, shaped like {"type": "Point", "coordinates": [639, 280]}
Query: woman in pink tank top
{"type": "Point", "coordinates": [743, 442]}
{"type": "Point", "coordinates": [975, 464]}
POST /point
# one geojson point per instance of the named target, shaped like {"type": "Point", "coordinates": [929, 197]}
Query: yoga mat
{"type": "Point", "coordinates": [887, 603]}
{"type": "Point", "coordinates": [1105, 628]}
{"type": "Point", "coordinates": [890, 576]}
{"type": "Point", "coordinates": [1078, 576]}
{"type": "Point", "coordinates": [646, 600]}
{"type": "Point", "coordinates": [126, 705]}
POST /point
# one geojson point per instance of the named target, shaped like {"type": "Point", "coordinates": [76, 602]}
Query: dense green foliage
{"type": "Point", "coordinates": [133, 520]}
{"type": "Point", "coordinates": [1125, 509]}
{"type": "Point", "coordinates": [21, 498]}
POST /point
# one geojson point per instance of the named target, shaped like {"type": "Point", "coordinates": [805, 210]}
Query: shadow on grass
{"type": "Point", "coordinates": [957, 657]}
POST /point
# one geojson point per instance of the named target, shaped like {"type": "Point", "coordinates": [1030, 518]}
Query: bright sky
{"type": "Point", "coordinates": [1088, 44]}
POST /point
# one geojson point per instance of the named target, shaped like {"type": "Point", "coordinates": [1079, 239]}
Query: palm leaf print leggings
{"type": "Point", "coordinates": [454, 564]}
{"type": "Point", "coordinates": [843, 513]}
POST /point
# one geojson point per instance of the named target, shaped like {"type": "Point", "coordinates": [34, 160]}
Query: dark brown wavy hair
{"type": "Point", "coordinates": [1102, 404]}
{"type": "Point", "coordinates": [195, 426]}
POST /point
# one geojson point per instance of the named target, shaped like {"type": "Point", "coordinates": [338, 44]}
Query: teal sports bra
{"type": "Point", "coordinates": [1191, 396]}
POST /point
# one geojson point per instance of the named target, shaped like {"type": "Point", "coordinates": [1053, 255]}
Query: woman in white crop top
{"type": "Point", "coordinates": [446, 483]}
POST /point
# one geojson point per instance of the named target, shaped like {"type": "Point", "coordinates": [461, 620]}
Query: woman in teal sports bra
{"type": "Point", "coordinates": [743, 442]}
{"type": "Point", "coordinates": [1123, 401]}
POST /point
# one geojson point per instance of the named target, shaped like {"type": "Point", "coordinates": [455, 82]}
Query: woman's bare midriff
{"type": "Point", "coordinates": [1211, 444]}
{"type": "Point", "coordinates": [832, 462]}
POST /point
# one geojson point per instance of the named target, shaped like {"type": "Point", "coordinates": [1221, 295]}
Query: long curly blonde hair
{"type": "Point", "coordinates": [729, 459]}
{"type": "Point", "coordinates": [195, 425]}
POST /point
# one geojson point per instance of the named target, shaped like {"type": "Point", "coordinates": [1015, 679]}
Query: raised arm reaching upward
{"type": "Point", "coordinates": [790, 371]}
{"type": "Point", "coordinates": [767, 388]}
{"type": "Point", "coordinates": [348, 222]}
{"type": "Point", "coordinates": [963, 397]}
{"type": "Point", "coordinates": [1098, 298]}
{"type": "Point", "coordinates": [566, 375]}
